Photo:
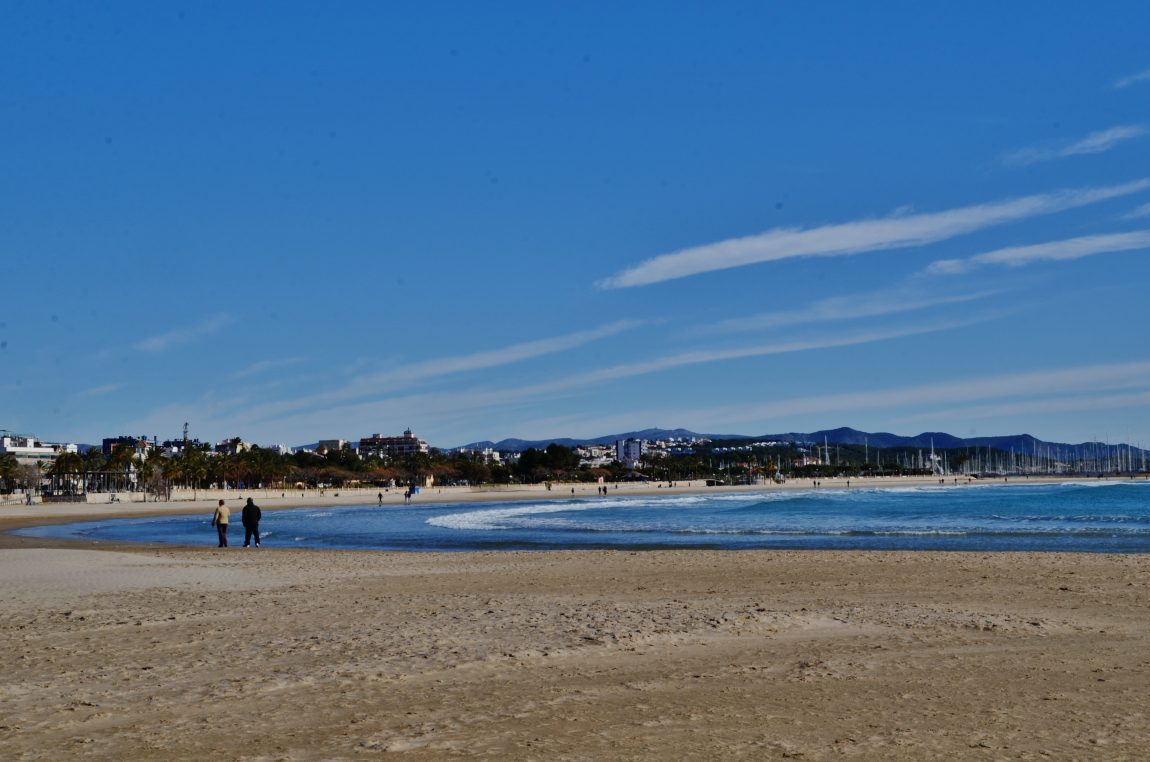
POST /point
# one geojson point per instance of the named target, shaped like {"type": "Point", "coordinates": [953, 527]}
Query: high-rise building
{"type": "Point", "coordinates": [629, 452]}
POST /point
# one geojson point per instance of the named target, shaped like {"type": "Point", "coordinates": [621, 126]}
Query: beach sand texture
{"type": "Point", "coordinates": [157, 653]}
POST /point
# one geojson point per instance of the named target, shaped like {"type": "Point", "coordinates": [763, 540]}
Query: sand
{"type": "Point", "coordinates": [117, 652]}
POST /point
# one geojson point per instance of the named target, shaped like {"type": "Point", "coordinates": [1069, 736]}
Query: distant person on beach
{"type": "Point", "coordinates": [220, 522]}
{"type": "Point", "coordinates": [380, 497]}
{"type": "Point", "coordinates": [251, 519]}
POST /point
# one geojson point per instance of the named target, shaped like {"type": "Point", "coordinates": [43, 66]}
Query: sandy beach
{"type": "Point", "coordinates": [119, 652]}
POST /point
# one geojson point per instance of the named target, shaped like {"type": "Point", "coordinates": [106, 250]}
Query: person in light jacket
{"type": "Point", "coordinates": [220, 522]}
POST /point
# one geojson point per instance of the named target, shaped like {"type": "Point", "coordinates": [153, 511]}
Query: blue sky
{"type": "Point", "coordinates": [293, 221]}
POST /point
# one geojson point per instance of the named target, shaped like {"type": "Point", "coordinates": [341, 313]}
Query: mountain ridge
{"type": "Point", "coordinates": [839, 436]}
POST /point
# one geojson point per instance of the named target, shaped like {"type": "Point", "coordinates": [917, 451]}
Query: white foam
{"type": "Point", "coordinates": [1105, 483]}
{"type": "Point", "coordinates": [502, 517]}
{"type": "Point", "coordinates": [499, 518]}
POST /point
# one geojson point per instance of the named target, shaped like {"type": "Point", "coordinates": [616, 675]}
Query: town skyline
{"type": "Point", "coordinates": [877, 440]}
{"type": "Point", "coordinates": [526, 222]}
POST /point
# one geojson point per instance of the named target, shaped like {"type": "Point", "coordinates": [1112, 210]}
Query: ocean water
{"type": "Point", "coordinates": [1088, 516]}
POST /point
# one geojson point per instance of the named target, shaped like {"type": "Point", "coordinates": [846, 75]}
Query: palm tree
{"type": "Point", "coordinates": [195, 467]}
{"type": "Point", "coordinates": [67, 470]}
{"type": "Point", "coordinates": [67, 463]}
{"type": "Point", "coordinates": [151, 470]}
{"type": "Point", "coordinates": [30, 475]}
{"type": "Point", "coordinates": [9, 470]}
{"type": "Point", "coordinates": [121, 461]}
{"type": "Point", "coordinates": [94, 460]}
{"type": "Point", "coordinates": [173, 470]}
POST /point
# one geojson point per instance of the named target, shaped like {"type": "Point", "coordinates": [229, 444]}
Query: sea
{"type": "Point", "coordinates": [1077, 516]}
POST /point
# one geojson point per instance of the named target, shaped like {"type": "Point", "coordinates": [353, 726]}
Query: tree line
{"type": "Point", "coordinates": [200, 468]}
{"type": "Point", "coordinates": [197, 467]}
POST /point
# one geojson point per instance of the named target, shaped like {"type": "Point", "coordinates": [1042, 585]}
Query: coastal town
{"type": "Point", "coordinates": [32, 469]}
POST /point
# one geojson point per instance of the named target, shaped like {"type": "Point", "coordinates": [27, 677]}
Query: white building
{"type": "Point", "coordinates": [487, 455]}
{"type": "Point", "coordinates": [392, 447]}
{"type": "Point", "coordinates": [30, 451]}
{"type": "Point", "coordinates": [233, 446]}
{"type": "Point", "coordinates": [595, 456]}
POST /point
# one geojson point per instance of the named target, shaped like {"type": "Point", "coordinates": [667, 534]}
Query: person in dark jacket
{"type": "Point", "coordinates": [251, 519]}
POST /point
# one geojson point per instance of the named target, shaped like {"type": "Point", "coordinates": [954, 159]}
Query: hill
{"type": "Point", "coordinates": [1021, 443]}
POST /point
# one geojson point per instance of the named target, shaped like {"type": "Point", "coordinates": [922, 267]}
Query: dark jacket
{"type": "Point", "coordinates": [251, 515]}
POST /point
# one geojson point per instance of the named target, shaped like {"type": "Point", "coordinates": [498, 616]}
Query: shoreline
{"type": "Point", "coordinates": [19, 516]}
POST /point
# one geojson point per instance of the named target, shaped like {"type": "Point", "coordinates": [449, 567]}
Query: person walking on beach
{"type": "Point", "coordinates": [220, 522]}
{"type": "Point", "coordinates": [380, 498]}
{"type": "Point", "coordinates": [251, 520]}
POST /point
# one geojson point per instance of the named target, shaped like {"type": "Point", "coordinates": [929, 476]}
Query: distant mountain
{"type": "Point", "coordinates": [1020, 443]}
{"type": "Point", "coordinates": [519, 445]}
{"type": "Point", "coordinates": [848, 436]}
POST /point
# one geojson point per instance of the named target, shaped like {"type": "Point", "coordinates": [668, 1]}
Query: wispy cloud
{"type": "Point", "coordinates": [852, 307]}
{"type": "Point", "coordinates": [263, 366]}
{"type": "Point", "coordinates": [99, 391]}
{"type": "Point", "coordinates": [1057, 405]}
{"type": "Point", "coordinates": [1133, 79]}
{"type": "Point", "coordinates": [891, 232]}
{"type": "Point", "coordinates": [182, 336]}
{"type": "Point", "coordinates": [1097, 387]}
{"type": "Point", "coordinates": [390, 382]}
{"type": "Point", "coordinates": [1095, 142]}
{"type": "Point", "coordinates": [1140, 212]}
{"type": "Point", "coordinates": [451, 408]}
{"type": "Point", "coordinates": [699, 357]}
{"type": "Point", "coordinates": [1017, 256]}
{"type": "Point", "coordinates": [486, 399]}
{"type": "Point", "coordinates": [444, 366]}
{"type": "Point", "coordinates": [1029, 387]}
